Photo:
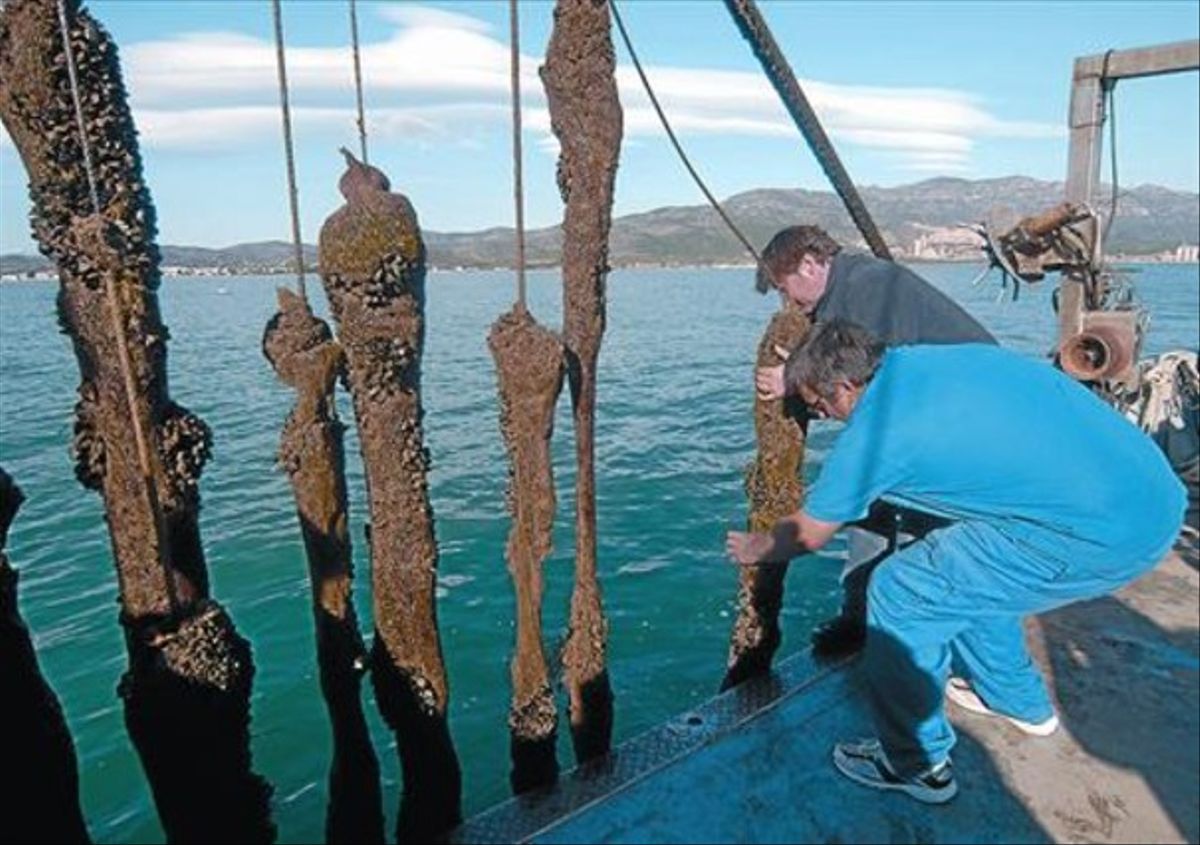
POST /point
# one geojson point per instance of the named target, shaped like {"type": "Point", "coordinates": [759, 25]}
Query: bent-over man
{"type": "Point", "coordinates": [1054, 498]}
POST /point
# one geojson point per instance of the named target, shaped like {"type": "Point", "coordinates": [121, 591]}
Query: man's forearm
{"type": "Point", "coordinates": [786, 541]}
{"type": "Point", "coordinates": [799, 533]}
{"type": "Point", "coordinates": [788, 538]}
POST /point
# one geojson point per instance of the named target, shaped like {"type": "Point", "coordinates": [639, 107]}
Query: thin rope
{"type": "Point", "coordinates": [1111, 116]}
{"type": "Point", "coordinates": [358, 86]}
{"type": "Point", "coordinates": [293, 196]}
{"type": "Point", "coordinates": [1092, 291]}
{"type": "Point", "coordinates": [118, 326]}
{"type": "Point", "coordinates": [675, 141]}
{"type": "Point", "coordinates": [73, 76]}
{"type": "Point", "coordinates": [518, 195]}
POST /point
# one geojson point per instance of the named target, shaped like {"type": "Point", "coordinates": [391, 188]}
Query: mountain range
{"type": "Point", "coordinates": [1149, 219]}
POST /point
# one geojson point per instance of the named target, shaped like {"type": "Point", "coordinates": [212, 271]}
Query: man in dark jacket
{"type": "Point", "coordinates": [896, 305]}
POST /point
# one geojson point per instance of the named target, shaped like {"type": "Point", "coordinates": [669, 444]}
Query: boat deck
{"type": "Point", "coordinates": [753, 765]}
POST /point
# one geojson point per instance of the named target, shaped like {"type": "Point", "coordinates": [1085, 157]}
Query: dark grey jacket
{"type": "Point", "coordinates": [894, 303]}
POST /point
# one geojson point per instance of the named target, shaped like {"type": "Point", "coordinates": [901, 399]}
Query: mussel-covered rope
{"type": "Point", "coordinates": [754, 27]}
{"type": "Point", "coordinates": [514, 28]}
{"type": "Point", "coordinates": [118, 325]}
{"type": "Point", "coordinates": [671, 135]}
{"type": "Point", "coordinates": [358, 86]}
{"type": "Point", "coordinates": [293, 196]}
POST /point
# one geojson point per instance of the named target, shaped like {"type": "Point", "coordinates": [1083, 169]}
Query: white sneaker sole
{"type": "Point", "coordinates": [962, 695]}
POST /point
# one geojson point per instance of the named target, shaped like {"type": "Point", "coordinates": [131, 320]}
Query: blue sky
{"type": "Point", "coordinates": [907, 90]}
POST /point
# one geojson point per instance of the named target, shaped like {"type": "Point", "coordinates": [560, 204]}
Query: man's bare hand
{"type": "Point", "coordinates": [747, 549]}
{"type": "Point", "coordinates": [768, 381]}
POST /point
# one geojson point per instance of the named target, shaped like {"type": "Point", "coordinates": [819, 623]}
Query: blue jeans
{"type": "Point", "coordinates": [959, 595]}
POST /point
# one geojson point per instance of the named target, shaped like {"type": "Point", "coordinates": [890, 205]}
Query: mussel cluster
{"type": "Point", "coordinates": [185, 444]}
{"type": "Point", "coordinates": [205, 649]}
{"type": "Point", "coordinates": [536, 718]}
{"type": "Point", "coordinates": [87, 446]}
{"type": "Point", "coordinates": [388, 367]}
{"type": "Point", "coordinates": [59, 186]}
{"type": "Point", "coordinates": [414, 454]}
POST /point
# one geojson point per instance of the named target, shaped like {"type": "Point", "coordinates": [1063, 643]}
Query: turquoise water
{"type": "Point", "coordinates": [673, 435]}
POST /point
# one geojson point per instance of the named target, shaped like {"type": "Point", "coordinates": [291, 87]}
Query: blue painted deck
{"type": "Point", "coordinates": [753, 765]}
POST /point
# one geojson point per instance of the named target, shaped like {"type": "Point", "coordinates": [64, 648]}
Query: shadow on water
{"type": "Point", "coordinates": [1129, 692]}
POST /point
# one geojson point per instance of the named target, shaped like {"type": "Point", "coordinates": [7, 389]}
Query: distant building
{"type": "Point", "coordinates": [1187, 253]}
{"type": "Point", "coordinates": [948, 244]}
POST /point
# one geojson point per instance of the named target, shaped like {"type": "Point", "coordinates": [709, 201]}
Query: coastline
{"type": "Point", "coordinates": [172, 272]}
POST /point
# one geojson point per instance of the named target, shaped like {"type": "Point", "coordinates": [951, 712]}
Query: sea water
{"type": "Point", "coordinates": [674, 435]}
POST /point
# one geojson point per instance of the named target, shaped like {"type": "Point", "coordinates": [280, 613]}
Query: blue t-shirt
{"type": "Point", "coordinates": [977, 432]}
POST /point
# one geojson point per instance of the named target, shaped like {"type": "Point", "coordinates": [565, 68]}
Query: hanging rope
{"type": "Point", "coordinates": [73, 76]}
{"type": "Point", "coordinates": [1110, 112]}
{"type": "Point", "coordinates": [118, 327]}
{"type": "Point", "coordinates": [358, 86]}
{"type": "Point", "coordinates": [293, 196]}
{"type": "Point", "coordinates": [675, 141]}
{"type": "Point", "coordinates": [514, 39]}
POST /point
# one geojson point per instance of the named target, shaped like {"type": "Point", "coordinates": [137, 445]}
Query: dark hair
{"type": "Point", "coordinates": [835, 350]}
{"type": "Point", "coordinates": [787, 249]}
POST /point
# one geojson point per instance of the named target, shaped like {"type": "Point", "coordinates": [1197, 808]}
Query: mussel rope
{"type": "Point", "coordinates": [118, 324]}
{"type": "Point", "coordinates": [752, 25]}
{"type": "Point", "coordinates": [358, 86]}
{"type": "Point", "coordinates": [675, 141]}
{"type": "Point", "coordinates": [514, 38]}
{"type": "Point", "coordinates": [293, 196]}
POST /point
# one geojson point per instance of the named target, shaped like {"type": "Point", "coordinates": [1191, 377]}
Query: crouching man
{"type": "Point", "coordinates": [1053, 498]}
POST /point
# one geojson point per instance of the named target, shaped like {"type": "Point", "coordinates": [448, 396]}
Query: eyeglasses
{"type": "Point", "coordinates": [822, 407]}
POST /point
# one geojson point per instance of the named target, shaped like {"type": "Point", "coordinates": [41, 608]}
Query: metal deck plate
{"type": "Point", "coordinates": [522, 818]}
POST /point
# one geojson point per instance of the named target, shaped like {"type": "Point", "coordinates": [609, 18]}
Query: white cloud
{"type": "Point", "coordinates": [409, 15]}
{"type": "Point", "coordinates": [230, 127]}
{"type": "Point", "coordinates": [438, 72]}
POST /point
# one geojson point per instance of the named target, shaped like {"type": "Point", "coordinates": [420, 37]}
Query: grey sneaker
{"type": "Point", "coordinates": [864, 762]}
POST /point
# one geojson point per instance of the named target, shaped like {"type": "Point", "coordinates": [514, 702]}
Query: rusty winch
{"type": "Point", "coordinates": [1101, 332]}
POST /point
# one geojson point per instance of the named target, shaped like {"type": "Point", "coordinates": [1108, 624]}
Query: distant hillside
{"type": "Point", "coordinates": [262, 254]}
{"type": "Point", "coordinates": [1149, 219]}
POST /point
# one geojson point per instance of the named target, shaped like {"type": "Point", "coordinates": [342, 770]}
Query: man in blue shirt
{"type": "Point", "coordinates": [1053, 498]}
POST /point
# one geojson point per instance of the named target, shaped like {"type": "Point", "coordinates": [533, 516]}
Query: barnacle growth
{"type": "Point", "coordinates": [381, 328]}
{"type": "Point", "coordinates": [187, 688]}
{"type": "Point", "coordinates": [586, 117]}
{"type": "Point", "coordinates": [775, 488]}
{"type": "Point", "coordinates": [529, 371]}
{"type": "Point", "coordinates": [301, 349]}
